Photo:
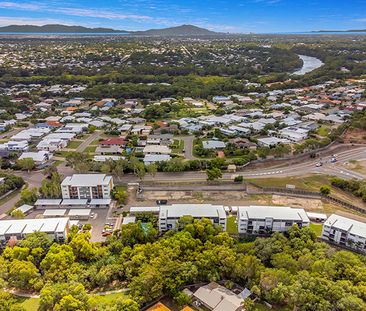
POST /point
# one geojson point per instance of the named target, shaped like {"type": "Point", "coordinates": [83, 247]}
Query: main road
{"type": "Point", "coordinates": [338, 169]}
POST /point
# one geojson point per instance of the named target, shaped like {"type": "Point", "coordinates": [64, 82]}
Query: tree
{"type": "Point", "coordinates": [152, 169]}
{"type": "Point", "coordinates": [23, 274]}
{"type": "Point", "coordinates": [120, 195]}
{"type": "Point", "coordinates": [51, 187]}
{"type": "Point", "coordinates": [81, 246]}
{"type": "Point", "coordinates": [139, 170]}
{"type": "Point", "coordinates": [26, 164]}
{"type": "Point", "coordinates": [17, 214]}
{"type": "Point", "coordinates": [213, 173]}
{"type": "Point", "coordinates": [28, 196]}
{"type": "Point", "coordinates": [325, 190]}
{"type": "Point", "coordinates": [248, 304]}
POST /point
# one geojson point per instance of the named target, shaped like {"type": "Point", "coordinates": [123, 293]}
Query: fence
{"type": "Point", "coordinates": [310, 194]}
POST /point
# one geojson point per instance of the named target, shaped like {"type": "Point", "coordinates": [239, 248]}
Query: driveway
{"type": "Point", "coordinates": [188, 147]}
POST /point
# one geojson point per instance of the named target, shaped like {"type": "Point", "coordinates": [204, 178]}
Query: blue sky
{"type": "Point", "coordinates": [219, 15]}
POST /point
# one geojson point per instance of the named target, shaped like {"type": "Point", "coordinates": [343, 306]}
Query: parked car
{"type": "Point", "coordinates": [161, 202]}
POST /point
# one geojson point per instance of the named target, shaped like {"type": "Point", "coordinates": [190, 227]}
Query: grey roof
{"type": "Point", "coordinates": [213, 144]}
{"type": "Point", "coordinates": [352, 226]}
{"type": "Point", "coordinates": [54, 212]}
{"type": "Point", "coordinates": [80, 212]}
{"type": "Point", "coordinates": [194, 210]}
{"type": "Point", "coordinates": [275, 212]}
{"type": "Point", "coordinates": [74, 202]}
{"type": "Point", "coordinates": [48, 202]}
{"type": "Point", "coordinates": [86, 180]}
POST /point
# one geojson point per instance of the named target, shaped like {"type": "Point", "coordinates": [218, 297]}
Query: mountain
{"type": "Point", "coordinates": [56, 28]}
{"type": "Point", "coordinates": [351, 30]}
{"type": "Point", "coordinates": [184, 30]}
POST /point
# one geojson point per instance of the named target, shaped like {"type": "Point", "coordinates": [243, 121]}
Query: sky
{"type": "Point", "coordinates": [236, 16]}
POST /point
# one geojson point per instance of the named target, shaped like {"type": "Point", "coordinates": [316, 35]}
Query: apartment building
{"type": "Point", "coordinates": [267, 219]}
{"type": "Point", "coordinates": [170, 214]}
{"type": "Point", "coordinates": [345, 232]}
{"type": "Point", "coordinates": [87, 186]}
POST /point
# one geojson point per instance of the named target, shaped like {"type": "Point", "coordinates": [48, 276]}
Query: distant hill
{"type": "Point", "coordinates": [184, 30]}
{"type": "Point", "coordinates": [351, 30]}
{"type": "Point", "coordinates": [56, 28]}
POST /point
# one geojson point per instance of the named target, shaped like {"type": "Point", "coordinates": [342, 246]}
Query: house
{"type": "Point", "coordinates": [56, 228]}
{"type": "Point", "coordinates": [267, 219]}
{"type": "Point", "coordinates": [40, 158]}
{"type": "Point", "coordinates": [118, 142]}
{"type": "Point", "coordinates": [218, 298]}
{"type": "Point", "coordinates": [213, 144]}
{"type": "Point", "coordinates": [162, 139]}
{"type": "Point", "coordinates": [108, 150]}
{"type": "Point", "coordinates": [155, 158]}
{"type": "Point", "coordinates": [51, 144]}
{"type": "Point", "coordinates": [87, 186]}
{"type": "Point", "coordinates": [345, 232]}
{"type": "Point", "coordinates": [271, 141]}
{"type": "Point", "coordinates": [156, 149]}
{"type": "Point", "coordinates": [15, 146]}
{"type": "Point", "coordinates": [170, 214]}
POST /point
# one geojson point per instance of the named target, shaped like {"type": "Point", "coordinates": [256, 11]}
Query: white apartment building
{"type": "Point", "coordinates": [345, 231]}
{"type": "Point", "coordinates": [170, 214]}
{"type": "Point", "coordinates": [267, 219]}
{"type": "Point", "coordinates": [56, 228]}
{"type": "Point", "coordinates": [87, 186]}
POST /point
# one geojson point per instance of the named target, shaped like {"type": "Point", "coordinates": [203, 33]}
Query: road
{"type": "Point", "coordinates": [338, 169]}
{"type": "Point", "coordinates": [88, 141]}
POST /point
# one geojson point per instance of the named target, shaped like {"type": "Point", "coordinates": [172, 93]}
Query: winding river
{"type": "Point", "coordinates": [310, 64]}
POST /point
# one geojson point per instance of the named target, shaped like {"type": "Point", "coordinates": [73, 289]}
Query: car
{"type": "Point", "coordinates": [333, 159]}
{"type": "Point", "coordinates": [92, 215]}
{"type": "Point", "coordinates": [161, 202]}
{"type": "Point", "coordinates": [319, 164]}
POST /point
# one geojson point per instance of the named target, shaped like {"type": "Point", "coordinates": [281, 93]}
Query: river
{"type": "Point", "coordinates": [310, 64]}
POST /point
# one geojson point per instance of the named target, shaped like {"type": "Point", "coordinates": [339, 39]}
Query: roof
{"type": "Point", "coordinates": [54, 212]}
{"type": "Point", "coordinates": [274, 212]}
{"type": "Point", "coordinates": [49, 202]}
{"type": "Point", "coordinates": [25, 226]}
{"type": "Point", "coordinates": [25, 208]}
{"type": "Point", "coordinates": [113, 141]}
{"type": "Point", "coordinates": [194, 210]}
{"type": "Point", "coordinates": [86, 180]}
{"type": "Point", "coordinates": [213, 144]}
{"type": "Point", "coordinates": [219, 298]}
{"type": "Point", "coordinates": [157, 149]}
{"type": "Point", "coordinates": [100, 201]}
{"type": "Point", "coordinates": [80, 212]}
{"type": "Point", "coordinates": [74, 202]}
{"type": "Point", "coordinates": [352, 226]}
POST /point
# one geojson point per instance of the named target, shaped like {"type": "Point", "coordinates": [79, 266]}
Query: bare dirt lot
{"type": "Point", "coordinates": [355, 136]}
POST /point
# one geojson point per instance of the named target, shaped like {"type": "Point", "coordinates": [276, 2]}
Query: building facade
{"type": "Point", "coordinates": [87, 186]}
{"type": "Point", "coordinates": [170, 214]}
{"type": "Point", "coordinates": [345, 232]}
{"type": "Point", "coordinates": [258, 220]}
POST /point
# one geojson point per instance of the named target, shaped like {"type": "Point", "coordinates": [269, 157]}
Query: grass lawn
{"type": "Point", "coordinates": [29, 304]}
{"type": "Point", "coordinates": [10, 196]}
{"type": "Point", "coordinates": [95, 142]}
{"type": "Point", "coordinates": [113, 297]}
{"type": "Point", "coordinates": [323, 131]}
{"type": "Point", "coordinates": [90, 149]}
{"type": "Point", "coordinates": [231, 225]}
{"type": "Point", "coordinates": [313, 182]}
{"type": "Point", "coordinates": [263, 307]}
{"type": "Point", "coordinates": [317, 228]}
{"type": "Point", "coordinates": [74, 144]}
{"type": "Point", "coordinates": [177, 146]}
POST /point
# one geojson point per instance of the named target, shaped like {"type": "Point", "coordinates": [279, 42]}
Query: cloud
{"type": "Point", "coordinates": [5, 21]}
{"type": "Point", "coordinates": [80, 12]}
{"type": "Point", "coordinates": [360, 20]}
